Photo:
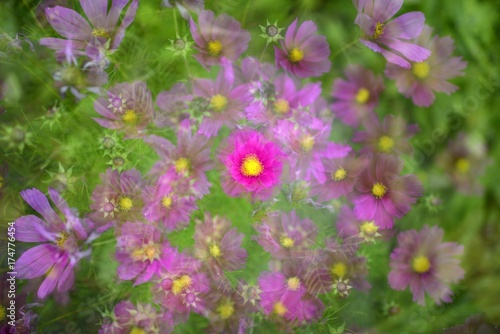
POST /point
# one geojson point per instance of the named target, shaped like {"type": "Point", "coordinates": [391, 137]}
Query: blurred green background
{"type": "Point", "coordinates": [60, 147]}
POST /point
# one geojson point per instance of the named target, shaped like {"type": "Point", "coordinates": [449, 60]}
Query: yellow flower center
{"type": "Point", "coordinates": [421, 264]}
{"type": "Point", "coordinates": [61, 239]}
{"type": "Point", "coordinates": [137, 330]}
{"type": "Point", "coordinates": [218, 102]}
{"type": "Point", "coordinates": [295, 55]}
{"type": "Point", "coordinates": [379, 190]}
{"type": "Point", "coordinates": [287, 242]}
{"type": "Point", "coordinates": [368, 228]}
{"type": "Point", "coordinates": [281, 106]}
{"type": "Point", "coordinates": [279, 309]}
{"type": "Point", "coordinates": [307, 143]}
{"type": "Point", "coordinates": [362, 96]}
{"type": "Point", "coordinates": [462, 165]}
{"type": "Point", "coordinates": [100, 32]}
{"type": "Point", "coordinates": [166, 202]}
{"type": "Point", "coordinates": [293, 283]}
{"type": "Point", "coordinates": [339, 174]}
{"type": "Point", "coordinates": [421, 70]}
{"type": "Point", "coordinates": [182, 165]}
{"type": "Point", "coordinates": [214, 250]}
{"type": "Point", "coordinates": [1, 181]}
{"type": "Point", "coordinates": [225, 310]}
{"type": "Point", "coordinates": [180, 284]}
{"type": "Point", "coordinates": [251, 166]}
{"type": "Point", "coordinates": [214, 48]}
{"type": "Point", "coordinates": [3, 313]}
{"type": "Point", "coordinates": [150, 252]}
{"type": "Point", "coordinates": [385, 144]}
{"type": "Point", "coordinates": [339, 269]}
{"type": "Point", "coordinates": [125, 203]}
{"type": "Point", "coordinates": [130, 117]}
{"type": "Point", "coordinates": [379, 30]}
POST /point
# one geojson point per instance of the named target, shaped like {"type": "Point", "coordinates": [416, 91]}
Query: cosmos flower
{"type": "Point", "coordinates": [426, 77]}
{"type": "Point", "coordinates": [390, 136]}
{"type": "Point", "coordinates": [218, 37]}
{"type": "Point", "coordinates": [391, 38]}
{"type": "Point", "coordinates": [253, 164]}
{"type": "Point", "coordinates": [348, 226]}
{"type": "Point", "coordinates": [285, 235]}
{"type": "Point", "coordinates": [219, 245]}
{"type": "Point", "coordinates": [62, 237]}
{"type": "Point", "coordinates": [138, 250]}
{"type": "Point", "coordinates": [79, 81]}
{"type": "Point", "coordinates": [78, 34]}
{"type": "Point", "coordinates": [303, 53]}
{"type": "Point", "coordinates": [173, 105]}
{"type": "Point", "coordinates": [356, 97]}
{"type": "Point", "coordinates": [128, 107]}
{"type": "Point", "coordinates": [382, 194]}
{"type": "Point", "coordinates": [426, 264]}
{"type": "Point", "coordinates": [477, 323]}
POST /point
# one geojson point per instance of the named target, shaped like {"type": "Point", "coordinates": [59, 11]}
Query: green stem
{"type": "Point", "coordinates": [345, 47]}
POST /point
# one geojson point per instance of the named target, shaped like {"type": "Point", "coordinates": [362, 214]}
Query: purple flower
{"type": "Point", "coordinates": [352, 230]}
{"type": "Point", "coordinates": [218, 37]}
{"type": "Point", "coordinates": [139, 249]}
{"type": "Point", "coordinates": [382, 194]}
{"type": "Point", "coordinates": [424, 78]}
{"type": "Point", "coordinates": [128, 107]}
{"type": "Point", "coordinates": [391, 39]}
{"type": "Point", "coordinates": [285, 235]}
{"type": "Point", "coordinates": [477, 323]}
{"type": "Point", "coordinates": [173, 106]}
{"type": "Point", "coordinates": [303, 53]}
{"type": "Point", "coordinates": [78, 33]}
{"type": "Point", "coordinates": [61, 250]}
{"type": "Point", "coordinates": [357, 96]}
{"type": "Point", "coordinates": [425, 264]}
{"type": "Point", "coordinates": [390, 136]}
{"type": "Point", "coordinates": [228, 312]}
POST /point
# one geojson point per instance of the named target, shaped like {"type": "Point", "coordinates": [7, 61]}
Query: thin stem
{"type": "Point", "coordinates": [175, 23]}
{"type": "Point", "coordinates": [345, 47]}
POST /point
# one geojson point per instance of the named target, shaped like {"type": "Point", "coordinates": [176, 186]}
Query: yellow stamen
{"type": "Point", "coordinates": [295, 55]}
{"type": "Point", "coordinates": [214, 250]}
{"type": "Point", "coordinates": [279, 309]}
{"type": "Point", "coordinates": [368, 228]}
{"type": "Point", "coordinates": [100, 32]}
{"type": "Point", "coordinates": [379, 30]}
{"type": "Point", "coordinates": [225, 310]}
{"type": "Point", "coordinates": [182, 165]}
{"type": "Point", "coordinates": [218, 102]}
{"type": "Point", "coordinates": [293, 283]}
{"type": "Point", "coordinates": [251, 166]}
{"type": "Point", "coordinates": [339, 269]}
{"type": "Point", "coordinates": [137, 330]}
{"type": "Point", "coordinates": [462, 165]}
{"type": "Point", "coordinates": [180, 284]}
{"type": "Point", "coordinates": [307, 143]}
{"type": "Point", "coordinates": [421, 70]}
{"type": "Point", "coordinates": [130, 117]}
{"type": "Point", "coordinates": [214, 48]}
{"type": "Point", "coordinates": [281, 106]}
{"type": "Point", "coordinates": [379, 190]}
{"type": "Point", "coordinates": [166, 201]}
{"type": "Point", "coordinates": [287, 242]}
{"type": "Point", "coordinates": [150, 252]}
{"type": "Point", "coordinates": [385, 144]}
{"type": "Point", "coordinates": [421, 264]}
{"type": "Point", "coordinates": [3, 313]}
{"type": "Point", "coordinates": [125, 203]}
{"type": "Point", "coordinates": [61, 239]}
{"type": "Point", "coordinates": [339, 174]}
{"type": "Point", "coordinates": [362, 96]}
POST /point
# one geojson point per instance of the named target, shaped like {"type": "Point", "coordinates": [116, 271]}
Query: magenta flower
{"type": "Point", "coordinates": [353, 230]}
{"type": "Point", "coordinates": [139, 250]}
{"type": "Point", "coordinates": [252, 164]}
{"type": "Point", "coordinates": [382, 194]}
{"type": "Point", "coordinates": [228, 312]}
{"type": "Point", "coordinates": [218, 37]}
{"type": "Point", "coordinates": [426, 264]}
{"type": "Point", "coordinates": [103, 29]}
{"type": "Point", "coordinates": [391, 38]}
{"type": "Point", "coordinates": [225, 102]}
{"type": "Point", "coordinates": [62, 239]}
{"type": "Point", "coordinates": [173, 105]}
{"type": "Point", "coordinates": [190, 158]}
{"type": "Point", "coordinates": [357, 96]}
{"type": "Point", "coordinates": [303, 53]}
{"type": "Point", "coordinates": [426, 77]}
{"type": "Point", "coordinates": [219, 245]}
{"type": "Point", "coordinates": [390, 136]}
{"type": "Point", "coordinates": [128, 107]}
{"type": "Point", "coordinates": [285, 235]}
{"type": "Point", "coordinates": [169, 202]}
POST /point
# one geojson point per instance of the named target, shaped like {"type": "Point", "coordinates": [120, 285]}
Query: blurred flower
{"type": "Point", "coordinates": [218, 37]}
{"type": "Point", "coordinates": [271, 32]}
{"type": "Point", "coordinates": [173, 105]}
{"type": "Point", "coordinates": [426, 264]}
{"type": "Point", "coordinates": [349, 227]}
{"type": "Point", "coordinates": [252, 163]}
{"type": "Point", "coordinates": [423, 78]}
{"type": "Point", "coordinates": [390, 136]}
{"type": "Point", "coordinates": [357, 96]}
{"type": "Point", "coordinates": [303, 53]}
{"type": "Point", "coordinates": [382, 194]}
{"type": "Point", "coordinates": [391, 39]}
{"type": "Point", "coordinates": [9, 45]}
{"type": "Point", "coordinates": [16, 137]}
{"type": "Point", "coordinates": [476, 324]}
{"type": "Point", "coordinates": [61, 250]}
{"type": "Point", "coordinates": [78, 81]}
{"type": "Point", "coordinates": [185, 6]}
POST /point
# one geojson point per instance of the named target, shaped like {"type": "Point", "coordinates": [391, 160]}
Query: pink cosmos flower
{"type": "Point", "coordinates": [139, 250]}
{"type": "Point", "coordinates": [252, 164]}
{"type": "Point", "coordinates": [303, 53]}
{"type": "Point", "coordinates": [382, 194]}
{"type": "Point", "coordinates": [391, 38]}
{"type": "Point", "coordinates": [357, 96]}
{"type": "Point", "coordinates": [62, 237]}
{"type": "Point", "coordinates": [426, 77]}
{"type": "Point", "coordinates": [173, 105]}
{"type": "Point", "coordinates": [218, 37]}
{"type": "Point", "coordinates": [228, 312]}
{"type": "Point", "coordinates": [426, 264]}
